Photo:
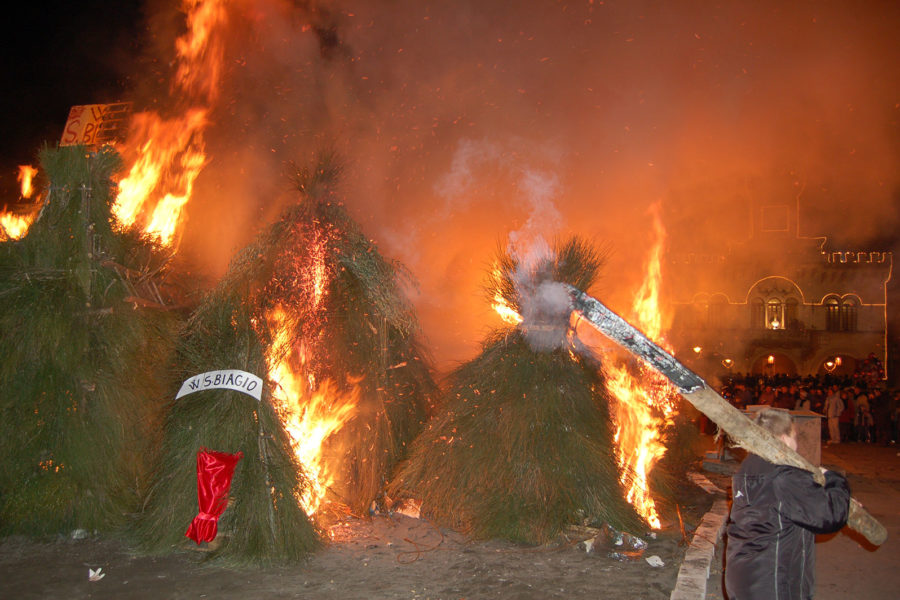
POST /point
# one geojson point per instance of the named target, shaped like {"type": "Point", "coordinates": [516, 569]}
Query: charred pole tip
{"type": "Point", "coordinates": [695, 390]}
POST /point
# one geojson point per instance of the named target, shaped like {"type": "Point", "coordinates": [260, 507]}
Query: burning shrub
{"type": "Point", "coordinates": [523, 445]}
{"type": "Point", "coordinates": [263, 522]}
{"type": "Point", "coordinates": [81, 364]}
{"type": "Point", "coordinates": [313, 309]}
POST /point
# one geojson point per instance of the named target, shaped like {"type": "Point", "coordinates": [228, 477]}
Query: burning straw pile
{"type": "Point", "coordinates": [524, 445]}
{"type": "Point", "coordinates": [319, 315]}
{"type": "Point", "coordinates": [81, 364]}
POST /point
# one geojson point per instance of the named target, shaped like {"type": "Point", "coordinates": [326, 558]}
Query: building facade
{"type": "Point", "coordinates": [779, 303]}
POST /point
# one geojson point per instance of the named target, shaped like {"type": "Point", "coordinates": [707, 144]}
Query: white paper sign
{"type": "Point", "coordinates": [231, 379]}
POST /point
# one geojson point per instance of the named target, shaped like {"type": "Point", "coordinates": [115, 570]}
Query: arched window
{"type": "Point", "coordinates": [775, 304]}
{"type": "Point", "coordinates": [832, 314]}
{"type": "Point", "coordinates": [791, 314]}
{"type": "Point", "coordinates": [774, 314]}
{"type": "Point", "coordinates": [757, 314]}
{"type": "Point", "coordinates": [849, 312]}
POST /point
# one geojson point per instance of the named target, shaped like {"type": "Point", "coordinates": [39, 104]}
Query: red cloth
{"type": "Point", "coordinates": [214, 473]}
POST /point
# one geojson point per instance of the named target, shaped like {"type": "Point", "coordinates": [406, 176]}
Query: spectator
{"type": "Point", "coordinates": [834, 408]}
{"type": "Point", "coordinates": [846, 418]}
{"type": "Point", "coordinates": [862, 415]}
{"type": "Point", "coordinates": [767, 397]}
{"type": "Point", "coordinates": [895, 417]}
{"type": "Point", "coordinates": [881, 413]}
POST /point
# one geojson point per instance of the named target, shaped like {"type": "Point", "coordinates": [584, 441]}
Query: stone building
{"type": "Point", "coordinates": [777, 302]}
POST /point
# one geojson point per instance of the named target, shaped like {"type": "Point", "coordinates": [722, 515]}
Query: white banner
{"type": "Point", "coordinates": [231, 379]}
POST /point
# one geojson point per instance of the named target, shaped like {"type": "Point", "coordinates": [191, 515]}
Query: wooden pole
{"type": "Point", "coordinates": [694, 389]}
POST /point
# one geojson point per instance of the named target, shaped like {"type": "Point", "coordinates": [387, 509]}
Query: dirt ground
{"type": "Point", "coordinates": [389, 557]}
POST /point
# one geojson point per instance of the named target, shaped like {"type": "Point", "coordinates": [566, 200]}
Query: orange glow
{"type": "Point", "coordinates": [644, 404]}
{"type": "Point", "coordinates": [13, 227]}
{"type": "Point", "coordinates": [26, 177]}
{"type": "Point", "coordinates": [500, 305]}
{"type": "Point", "coordinates": [310, 414]}
{"type": "Point", "coordinates": [506, 312]}
{"type": "Point", "coordinates": [168, 154]}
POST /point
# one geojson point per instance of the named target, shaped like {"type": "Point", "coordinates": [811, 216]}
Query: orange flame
{"type": "Point", "coordinates": [14, 226]}
{"type": "Point", "coordinates": [500, 305]}
{"type": "Point", "coordinates": [638, 437]}
{"type": "Point", "coordinates": [506, 312]}
{"type": "Point", "coordinates": [644, 402]}
{"type": "Point", "coordinates": [170, 159]}
{"type": "Point", "coordinates": [26, 177]}
{"type": "Point", "coordinates": [170, 153]}
{"type": "Point", "coordinates": [310, 416]}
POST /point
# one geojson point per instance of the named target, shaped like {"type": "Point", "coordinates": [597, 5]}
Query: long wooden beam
{"type": "Point", "coordinates": [695, 390]}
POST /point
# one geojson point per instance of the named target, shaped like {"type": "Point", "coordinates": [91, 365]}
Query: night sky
{"type": "Point", "coordinates": [57, 55]}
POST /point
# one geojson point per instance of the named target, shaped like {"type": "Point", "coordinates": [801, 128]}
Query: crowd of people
{"type": "Point", "coordinates": [857, 407]}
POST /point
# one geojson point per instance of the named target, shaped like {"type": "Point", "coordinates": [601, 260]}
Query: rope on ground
{"type": "Point", "coordinates": [419, 551]}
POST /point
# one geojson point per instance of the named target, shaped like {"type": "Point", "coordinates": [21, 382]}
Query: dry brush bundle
{"type": "Point", "coordinates": [523, 446]}
{"type": "Point", "coordinates": [263, 522]}
{"type": "Point", "coordinates": [356, 331]}
{"type": "Point", "coordinates": [311, 296]}
{"type": "Point", "coordinates": [81, 366]}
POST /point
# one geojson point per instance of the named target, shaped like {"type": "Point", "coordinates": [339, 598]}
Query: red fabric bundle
{"type": "Point", "coordinates": [214, 473]}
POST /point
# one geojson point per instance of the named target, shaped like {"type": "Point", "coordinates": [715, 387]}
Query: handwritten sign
{"type": "Point", "coordinates": [231, 379]}
{"type": "Point", "coordinates": [96, 124]}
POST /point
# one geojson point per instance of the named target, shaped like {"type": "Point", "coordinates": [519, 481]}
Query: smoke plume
{"type": "Point", "coordinates": [464, 123]}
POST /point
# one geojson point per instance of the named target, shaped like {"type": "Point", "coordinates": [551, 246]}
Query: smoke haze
{"type": "Point", "coordinates": [466, 124]}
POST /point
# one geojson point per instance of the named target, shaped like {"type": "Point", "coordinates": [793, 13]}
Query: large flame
{"type": "Point", "coordinates": [310, 413]}
{"type": "Point", "coordinates": [169, 153]}
{"type": "Point", "coordinates": [14, 226]}
{"type": "Point", "coordinates": [165, 155]}
{"type": "Point", "coordinates": [644, 398]}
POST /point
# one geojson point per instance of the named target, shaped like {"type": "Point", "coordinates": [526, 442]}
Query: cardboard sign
{"type": "Point", "coordinates": [96, 124]}
{"type": "Point", "coordinates": [231, 379]}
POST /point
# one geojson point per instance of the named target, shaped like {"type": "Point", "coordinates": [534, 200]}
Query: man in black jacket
{"type": "Point", "coordinates": [776, 512]}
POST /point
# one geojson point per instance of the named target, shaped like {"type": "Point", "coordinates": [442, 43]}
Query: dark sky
{"type": "Point", "coordinates": [58, 54]}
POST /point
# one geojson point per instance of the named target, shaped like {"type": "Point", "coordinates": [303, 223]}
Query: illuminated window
{"type": "Point", "coordinates": [832, 314]}
{"type": "Point", "coordinates": [774, 314]}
